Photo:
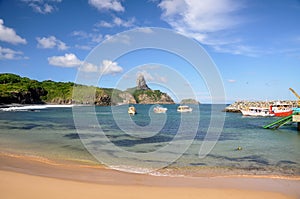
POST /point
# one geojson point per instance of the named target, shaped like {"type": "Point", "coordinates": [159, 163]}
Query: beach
{"type": "Point", "coordinates": [43, 156]}
{"type": "Point", "coordinates": [29, 177]}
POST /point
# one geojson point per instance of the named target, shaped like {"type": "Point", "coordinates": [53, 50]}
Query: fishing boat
{"type": "Point", "coordinates": [184, 108]}
{"type": "Point", "coordinates": [159, 109]}
{"type": "Point", "coordinates": [281, 109]}
{"type": "Point", "coordinates": [131, 110]}
{"type": "Point", "coordinates": [257, 111]}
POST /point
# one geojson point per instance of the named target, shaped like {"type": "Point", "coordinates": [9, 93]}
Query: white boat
{"type": "Point", "coordinates": [131, 110]}
{"type": "Point", "coordinates": [159, 109]}
{"type": "Point", "coordinates": [281, 109]}
{"type": "Point", "coordinates": [257, 111]}
{"type": "Point", "coordinates": [184, 108]}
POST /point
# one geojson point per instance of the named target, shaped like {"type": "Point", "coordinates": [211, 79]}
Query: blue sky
{"type": "Point", "coordinates": [255, 44]}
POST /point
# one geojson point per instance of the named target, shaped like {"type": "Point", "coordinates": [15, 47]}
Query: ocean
{"type": "Point", "coordinates": [158, 144]}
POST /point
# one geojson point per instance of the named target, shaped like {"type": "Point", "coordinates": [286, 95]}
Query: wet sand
{"type": "Point", "coordinates": [29, 177]}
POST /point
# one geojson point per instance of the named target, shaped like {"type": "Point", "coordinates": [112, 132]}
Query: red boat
{"type": "Point", "coordinates": [281, 110]}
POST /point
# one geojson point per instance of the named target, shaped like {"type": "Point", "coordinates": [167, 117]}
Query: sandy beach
{"type": "Point", "coordinates": [28, 177]}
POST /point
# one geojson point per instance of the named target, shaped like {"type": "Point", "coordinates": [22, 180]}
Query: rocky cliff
{"type": "Point", "coordinates": [144, 95]}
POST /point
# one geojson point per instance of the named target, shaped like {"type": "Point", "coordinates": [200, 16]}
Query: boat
{"type": "Point", "coordinates": [184, 108]}
{"type": "Point", "coordinates": [257, 111]}
{"type": "Point", "coordinates": [281, 109]}
{"type": "Point", "coordinates": [131, 110]}
{"type": "Point", "coordinates": [159, 109]}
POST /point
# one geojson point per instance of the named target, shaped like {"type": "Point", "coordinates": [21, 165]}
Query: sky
{"type": "Point", "coordinates": [254, 44]}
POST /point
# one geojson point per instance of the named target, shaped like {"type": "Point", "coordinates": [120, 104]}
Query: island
{"type": "Point", "coordinates": [189, 101]}
{"type": "Point", "coordinates": [23, 90]}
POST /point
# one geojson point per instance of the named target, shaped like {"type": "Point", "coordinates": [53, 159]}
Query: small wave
{"type": "Point", "coordinates": [34, 107]}
{"type": "Point", "coordinates": [130, 169]}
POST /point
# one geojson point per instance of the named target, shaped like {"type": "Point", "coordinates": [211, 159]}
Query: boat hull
{"type": "Point", "coordinates": [283, 114]}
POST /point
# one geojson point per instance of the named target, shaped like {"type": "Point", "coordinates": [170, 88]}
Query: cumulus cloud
{"type": "Point", "coordinates": [9, 54]}
{"type": "Point", "coordinates": [68, 60]}
{"type": "Point", "coordinates": [9, 35]}
{"type": "Point", "coordinates": [204, 20]}
{"type": "Point", "coordinates": [200, 16]}
{"type": "Point", "coordinates": [42, 6]}
{"type": "Point", "coordinates": [110, 67]}
{"type": "Point", "coordinates": [117, 22]}
{"type": "Point", "coordinates": [51, 42]}
{"type": "Point", "coordinates": [101, 5]}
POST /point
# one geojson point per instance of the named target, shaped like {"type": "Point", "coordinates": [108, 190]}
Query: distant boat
{"type": "Point", "coordinates": [281, 109]}
{"type": "Point", "coordinates": [257, 111]}
{"type": "Point", "coordinates": [131, 110]}
{"type": "Point", "coordinates": [184, 108]}
{"type": "Point", "coordinates": [159, 109]}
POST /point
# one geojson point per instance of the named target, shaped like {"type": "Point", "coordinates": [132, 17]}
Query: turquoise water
{"type": "Point", "coordinates": [126, 142]}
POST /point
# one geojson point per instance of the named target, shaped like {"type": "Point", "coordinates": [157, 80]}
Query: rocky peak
{"type": "Point", "coordinates": [141, 83]}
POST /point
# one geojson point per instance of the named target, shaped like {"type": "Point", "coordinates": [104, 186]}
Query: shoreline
{"type": "Point", "coordinates": [43, 170]}
{"type": "Point", "coordinates": [71, 163]}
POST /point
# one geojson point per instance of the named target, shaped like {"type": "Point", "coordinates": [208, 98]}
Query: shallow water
{"type": "Point", "coordinates": [142, 142]}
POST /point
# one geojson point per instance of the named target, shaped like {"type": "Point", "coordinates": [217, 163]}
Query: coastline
{"type": "Point", "coordinates": [17, 170]}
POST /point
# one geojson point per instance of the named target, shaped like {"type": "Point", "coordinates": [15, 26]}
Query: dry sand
{"type": "Point", "coordinates": [26, 178]}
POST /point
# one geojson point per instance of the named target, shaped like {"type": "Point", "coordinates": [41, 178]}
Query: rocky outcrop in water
{"type": "Point", "coordinates": [237, 106]}
{"type": "Point", "coordinates": [189, 101]}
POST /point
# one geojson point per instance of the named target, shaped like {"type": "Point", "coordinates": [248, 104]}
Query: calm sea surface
{"type": "Point", "coordinates": [141, 142]}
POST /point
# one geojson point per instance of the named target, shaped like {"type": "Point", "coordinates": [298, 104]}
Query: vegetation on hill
{"type": "Point", "coordinates": [150, 96]}
{"type": "Point", "coordinates": [16, 89]}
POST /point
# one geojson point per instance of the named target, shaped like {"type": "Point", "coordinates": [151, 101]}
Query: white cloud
{"type": "Point", "coordinates": [146, 74]}
{"type": "Point", "coordinates": [200, 16]}
{"type": "Point", "coordinates": [239, 49]}
{"type": "Point", "coordinates": [231, 80]}
{"type": "Point", "coordinates": [42, 6]}
{"type": "Point", "coordinates": [9, 35]}
{"type": "Point", "coordinates": [153, 77]}
{"type": "Point", "coordinates": [117, 22]}
{"type": "Point", "coordinates": [51, 42]}
{"type": "Point", "coordinates": [89, 68]}
{"type": "Point", "coordinates": [93, 37]}
{"type": "Point", "coordinates": [68, 60]}
{"type": "Point", "coordinates": [125, 39]}
{"type": "Point", "coordinates": [101, 5]}
{"type": "Point", "coordinates": [204, 20]}
{"type": "Point", "coordinates": [7, 53]}
{"type": "Point", "coordinates": [83, 47]}
{"type": "Point", "coordinates": [109, 67]}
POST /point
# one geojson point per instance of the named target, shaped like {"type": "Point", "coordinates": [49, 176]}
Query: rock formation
{"type": "Point", "coordinates": [189, 101]}
{"type": "Point", "coordinates": [141, 83]}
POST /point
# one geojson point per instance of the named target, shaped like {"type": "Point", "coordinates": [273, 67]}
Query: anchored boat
{"type": "Point", "coordinates": [131, 110]}
{"type": "Point", "coordinates": [281, 109]}
{"type": "Point", "coordinates": [257, 111]}
{"type": "Point", "coordinates": [184, 108]}
{"type": "Point", "coordinates": [159, 109]}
